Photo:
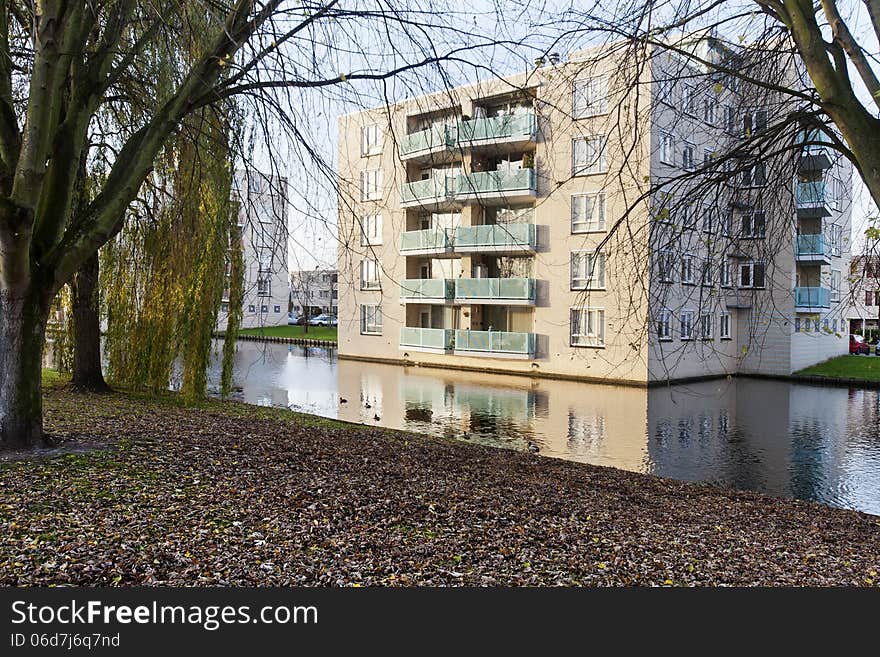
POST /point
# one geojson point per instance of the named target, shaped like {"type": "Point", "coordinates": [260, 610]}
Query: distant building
{"type": "Point", "coordinates": [865, 306]}
{"type": "Point", "coordinates": [314, 290]}
{"type": "Point", "coordinates": [262, 222]}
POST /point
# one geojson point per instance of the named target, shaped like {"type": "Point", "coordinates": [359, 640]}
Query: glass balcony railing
{"type": "Point", "coordinates": [496, 342]}
{"type": "Point", "coordinates": [495, 289]}
{"type": "Point", "coordinates": [810, 194]}
{"type": "Point", "coordinates": [469, 238]}
{"type": "Point", "coordinates": [493, 183]}
{"type": "Point", "coordinates": [432, 189]}
{"type": "Point", "coordinates": [427, 288]}
{"type": "Point", "coordinates": [812, 297]}
{"type": "Point", "coordinates": [813, 245]}
{"type": "Point", "coordinates": [434, 138]}
{"type": "Point", "coordinates": [427, 338]}
{"type": "Point", "coordinates": [423, 240]}
{"type": "Point", "coordinates": [497, 128]}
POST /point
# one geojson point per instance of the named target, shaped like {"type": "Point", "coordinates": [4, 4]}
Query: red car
{"type": "Point", "coordinates": [857, 345]}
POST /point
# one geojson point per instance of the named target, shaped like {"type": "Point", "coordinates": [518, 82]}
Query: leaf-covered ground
{"type": "Point", "coordinates": [238, 495]}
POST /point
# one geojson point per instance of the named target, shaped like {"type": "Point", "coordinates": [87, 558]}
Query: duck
{"type": "Point", "coordinates": [367, 405]}
{"type": "Point", "coordinates": [376, 417]}
{"type": "Point", "coordinates": [533, 448]}
{"type": "Point", "coordinates": [343, 400]}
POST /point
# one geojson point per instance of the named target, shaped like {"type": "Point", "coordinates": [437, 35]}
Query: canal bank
{"type": "Point", "coordinates": [232, 494]}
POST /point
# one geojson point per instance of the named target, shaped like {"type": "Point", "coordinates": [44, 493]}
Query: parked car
{"type": "Point", "coordinates": [857, 345]}
{"type": "Point", "coordinates": [877, 348]}
{"type": "Point", "coordinates": [293, 319]}
{"type": "Point", "coordinates": [323, 320]}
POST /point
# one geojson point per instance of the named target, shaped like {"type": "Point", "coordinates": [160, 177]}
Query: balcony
{"type": "Point", "coordinates": [427, 339]}
{"type": "Point", "coordinates": [811, 299]}
{"type": "Point", "coordinates": [436, 139]}
{"type": "Point", "coordinates": [812, 249]}
{"type": "Point", "coordinates": [432, 241]}
{"type": "Point", "coordinates": [811, 200]}
{"type": "Point", "coordinates": [429, 193]}
{"type": "Point", "coordinates": [815, 156]}
{"type": "Point", "coordinates": [495, 238]}
{"type": "Point", "coordinates": [507, 186]}
{"type": "Point", "coordinates": [495, 291]}
{"type": "Point", "coordinates": [427, 290]}
{"type": "Point", "coordinates": [494, 344]}
{"type": "Point", "coordinates": [514, 130]}
{"type": "Point", "coordinates": [739, 299]}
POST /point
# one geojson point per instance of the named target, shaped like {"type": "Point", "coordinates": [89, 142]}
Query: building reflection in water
{"type": "Point", "coordinates": [784, 439]}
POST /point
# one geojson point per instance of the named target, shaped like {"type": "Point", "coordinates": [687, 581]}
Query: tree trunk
{"type": "Point", "coordinates": [87, 373]}
{"type": "Point", "coordinates": [22, 331]}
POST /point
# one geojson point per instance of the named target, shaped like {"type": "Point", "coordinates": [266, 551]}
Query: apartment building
{"type": "Point", "coordinates": [261, 207]}
{"type": "Point", "coordinates": [864, 307]}
{"type": "Point", "coordinates": [520, 225]}
{"type": "Point", "coordinates": [314, 292]}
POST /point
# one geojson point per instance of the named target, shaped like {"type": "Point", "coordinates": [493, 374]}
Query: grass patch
{"type": "Point", "coordinates": [314, 333]}
{"type": "Point", "coordinates": [54, 378]}
{"type": "Point", "coordinates": [846, 367]}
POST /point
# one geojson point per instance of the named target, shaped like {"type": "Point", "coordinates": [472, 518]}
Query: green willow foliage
{"type": "Point", "coordinates": [236, 301]}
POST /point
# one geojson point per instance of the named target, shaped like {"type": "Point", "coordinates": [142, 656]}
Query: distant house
{"type": "Point", "coordinates": [314, 291]}
{"type": "Point", "coordinates": [865, 282]}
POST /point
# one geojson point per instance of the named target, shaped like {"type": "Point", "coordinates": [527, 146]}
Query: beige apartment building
{"type": "Point", "coordinates": [517, 226]}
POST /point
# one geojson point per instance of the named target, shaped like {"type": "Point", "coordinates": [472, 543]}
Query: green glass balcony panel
{"type": "Point", "coordinates": [430, 238]}
{"type": "Point", "coordinates": [810, 193]}
{"type": "Point", "coordinates": [497, 128]}
{"type": "Point", "coordinates": [427, 338]}
{"type": "Point", "coordinates": [430, 189]}
{"type": "Point", "coordinates": [492, 183]}
{"type": "Point", "coordinates": [812, 297]}
{"type": "Point", "coordinates": [513, 289]}
{"type": "Point", "coordinates": [496, 235]}
{"type": "Point", "coordinates": [427, 288]}
{"type": "Point", "coordinates": [434, 138]}
{"type": "Point", "coordinates": [501, 342]}
{"type": "Point", "coordinates": [813, 245]}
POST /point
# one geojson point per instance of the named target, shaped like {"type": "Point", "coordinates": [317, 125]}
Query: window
{"type": "Point", "coordinates": [687, 156]}
{"type": "Point", "coordinates": [710, 110]}
{"type": "Point", "coordinates": [708, 158]}
{"type": "Point", "coordinates": [277, 309]}
{"type": "Point", "coordinates": [687, 269]}
{"type": "Point", "coordinates": [726, 273]}
{"type": "Point", "coordinates": [687, 324]}
{"type": "Point", "coordinates": [264, 261]}
{"type": "Point", "coordinates": [724, 327]}
{"type": "Point", "coordinates": [835, 285]}
{"type": "Point", "coordinates": [224, 307]}
{"type": "Point", "coordinates": [689, 100]}
{"type": "Point", "coordinates": [664, 325]}
{"type": "Point", "coordinates": [590, 97]}
{"type": "Point", "coordinates": [754, 121]}
{"type": "Point", "coordinates": [708, 218]}
{"type": "Point", "coordinates": [369, 274]}
{"type": "Point", "coordinates": [662, 212]}
{"type": "Point", "coordinates": [587, 327]}
{"type": "Point", "coordinates": [587, 270]}
{"type": "Point", "coordinates": [371, 139]}
{"type": "Point", "coordinates": [835, 326]}
{"type": "Point", "coordinates": [252, 308]}
{"type": "Point", "coordinates": [727, 223]}
{"type": "Point", "coordinates": [807, 325]}
{"type": "Point", "coordinates": [755, 175]}
{"type": "Point", "coordinates": [371, 184]}
{"type": "Point", "coordinates": [825, 326]}
{"type": "Point", "coordinates": [730, 119]}
{"type": "Point", "coordinates": [264, 308]}
{"type": "Point", "coordinates": [588, 212]}
{"type": "Point", "coordinates": [706, 322]}
{"type": "Point", "coordinates": [588, 155]}
{"type": "Point", "coordinates": [797, 324]}
{"type": "Point", "coordinates": [835, 237]}
{"type": "Point", "coordinates": [690, 216]}
{"type": "Point", "coordinates": [665, 266]}
{"type": "Point", "coordinates": [371, 319]}
{"type": "Point", "coordinates": [667, 149]}
{"type": "Point", "coordinates": [707, 272]}
{"type": "Point", "coordinates": [869, 298]}
{"type": "Point", "coordinates": [264, 286]}
{"type": "Point", "coordinates": [754, 224]}
{"type": "Point", "coordinates": [751, 275]}
{"type": "Point", "coordinates": [371, 230]}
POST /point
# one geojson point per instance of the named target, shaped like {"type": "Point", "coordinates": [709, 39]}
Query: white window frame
{"type": "Point", "coordinates": [726, 273]}
{"type": "Point", "coordinates": [665, 88]}
{"type": "Point", "coordinates": [666, 266]}
{"type": "Point", "coordinates": [664, 325]}
{"type": "Point", "coordinates": [730, 120]}
{"type": "Point", "coordinates": [264, 286]}
{"type": "Point", "coordinates": [707, 273]}
{"type": "Point", "coordinates": [371, 319]}
{"type": "Point", "coordinates": [748, 180]}
{"type": "Point", "coordinates": [686, 325]}
{"type": "Point", "coordinates": [371, 229]}
{"type": "Point", "coordinates": [588, 280]}
{"type": "Point", "coordinates": [707, 325]}
{"type": "Point", "coordinates": [667, 148]}
{"type": "Point", "coordinates": [595, 317]}
{"type": "Point", "coordinates": [727, 223]}
{"type": "Point", "coordinates": [751, 265]}
{"type": "Point", "coordinates": [835, 285]}
{"type": "Point", "coordinates": [598, 165]}
{"type": "Point", "coordinates": [688, 276]}
{"type": "Point", "coordinates": [589, 97]}
{"type": "Point", "coordinates": [368, 283]}
{"type": "Point", "coordinates": [750, 121]}
{"type": "Point", "coordinates": [371, 139]}
{"type": "Point", "coordinates": [748, 221]}
{"type": "Point", "coordinates": [689, 99]}
{"type": "Point", "coordinates": [371, 184]}
{"type": "Point", "coordinates": [724, 326]}
{"type": "Point", "coordinates": [687, 156]}
{"type": "Point", "coordinates": [596, 222]}
{"type": "Point", "coordinates": [710, 103]}
{"type": "Point", "coordinates": [708, 219]}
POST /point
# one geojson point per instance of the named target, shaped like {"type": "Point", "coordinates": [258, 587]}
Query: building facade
{"type": "Point", "coordinates": [314, 292]}
{"type": "Point", "coordinates": [260, 203]}
{"type": "Point", "coordinates": [865, 302]}
{"type": "Point", "coordinates": [583, 221]}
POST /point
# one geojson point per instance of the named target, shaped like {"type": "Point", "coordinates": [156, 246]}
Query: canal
{"type": "Point", "coordinates": [783, 439]}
